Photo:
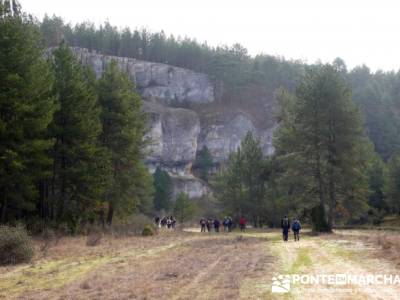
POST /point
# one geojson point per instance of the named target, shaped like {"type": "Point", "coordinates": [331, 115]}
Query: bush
{"type": "Point", "coordinates": [95, 234]}
{"type": "Point", "coordinates": [148, 230]}
{"type": "Point", "coordinates": [134, 225]}
{"type": "Point", "coordinates": [15, 245]}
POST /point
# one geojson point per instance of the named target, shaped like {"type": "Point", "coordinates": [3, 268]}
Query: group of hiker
{"type": "Point", "coordinates": [207, 225]}
{"type": "Point", "coordinates": [165, 222]}
{"type": "Point", "coordinates": [286, 225]}
{"type": "Point", "coordinates": [228, 224]}
{"type": "Point", "coordinates": [215, 224]}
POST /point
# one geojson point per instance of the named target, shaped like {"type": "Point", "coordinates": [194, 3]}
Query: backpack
{"type": "Point", "coordinates": [296, 225]}
{"type": "Point", "coordinates": [285, 223]}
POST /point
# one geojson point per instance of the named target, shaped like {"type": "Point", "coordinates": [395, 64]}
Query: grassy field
{"type": "Point", "coordinates": [191, 265]}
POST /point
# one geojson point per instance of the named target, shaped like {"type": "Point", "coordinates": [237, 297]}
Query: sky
{"type": "Point", "coordinates": [360, 32]}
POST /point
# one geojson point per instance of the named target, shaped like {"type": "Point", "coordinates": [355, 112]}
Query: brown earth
{"type": "Point", "coordinates": [191, 265]}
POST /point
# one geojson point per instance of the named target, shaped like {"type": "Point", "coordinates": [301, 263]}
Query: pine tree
{"type": "Point", "coordinates": [240, 184]}
{"type": "Point", "coordinates": [26, 109]}
{"type": "Point", "coordinates": [163, 190]}
{"type": "Point", "coordinates": [80, 165]}
{"type": "Point", "coordinates": [203, 163]}
{"type": "Point", "coordinates": [184, 208]}
{"type": "Point", "coordinates": [122, 134]}
{"type": "Point", "coordinates": [252, 171]}
{"type": "Point", "coordinates": [392, 186]}
{"type": "Point", "coordinates": [320, 140]}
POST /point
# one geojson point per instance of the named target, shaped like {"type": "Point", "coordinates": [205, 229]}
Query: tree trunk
{"type": "Point", "coordinates": [3, 209]}
{"type": "Point", "coordinates": [110, 213]}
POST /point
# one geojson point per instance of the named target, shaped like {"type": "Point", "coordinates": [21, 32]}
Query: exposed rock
{"type": "Point", "coordinates": [191, 186]}
{"type": "Point", "coordinates": [225, 137]}
{"type": "Point", "coordinates": [177, 126]}
{"type": "Point", "coordinates": [158, 82]}
{"type": "Point", "coordinates": [173, 136]}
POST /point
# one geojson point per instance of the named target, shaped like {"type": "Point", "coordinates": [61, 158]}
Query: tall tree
{"type": "Point", "coordinates": [240, 184]}
{"type": "Point", "coordinates": [26, 109]}
{"type": "Point", "coordinates": [163, 190]}
{"type": "Point", "coordinates": [392, 186]}
{"type": "Point", "coordinates": [321, 140]}
{"type": "Point", "coordinates": [203, 163]}
{"type": "Point", "coordinates": [122, 134]}
{"type": "Point", "coordinates": [184, 208]}
{"type": "Point", "coordinates": [80, 165]}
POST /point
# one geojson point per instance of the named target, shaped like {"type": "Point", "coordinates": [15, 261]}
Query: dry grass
{"type": "Point", "coordinates": [190, 265]}
{"type": "Point", "coordinates": [172, 265]}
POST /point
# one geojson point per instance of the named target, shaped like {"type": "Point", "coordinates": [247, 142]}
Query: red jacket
{"type": "Point", "coordinates": [242, 221]}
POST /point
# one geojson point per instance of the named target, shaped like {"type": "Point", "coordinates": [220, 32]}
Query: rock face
{"type": "Point", "coordinates": [178, 127]}
{"type": "Point", "coordinates": [172, 135]}
{"type": "Point", "coordinates": [158, 82]}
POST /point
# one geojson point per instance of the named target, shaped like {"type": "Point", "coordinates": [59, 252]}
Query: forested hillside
{"type": "Point", "coordinates": [238, 77]}
{"type": "Point", "coordinates": [70, 145]}
{"type": "Point", "coordinates": [72, 139]}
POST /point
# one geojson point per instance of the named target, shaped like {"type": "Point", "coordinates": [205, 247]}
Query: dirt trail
{"type": "Point", "coordinates": [190, 265]}
{"type": "Point", "coordinates": [333, 254]}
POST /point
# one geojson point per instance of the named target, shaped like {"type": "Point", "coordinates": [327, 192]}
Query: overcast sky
{"type": "Point", "coordinates": [360, 32]}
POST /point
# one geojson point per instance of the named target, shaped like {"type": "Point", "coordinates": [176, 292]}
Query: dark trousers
{"type": "Point", "coordinates": [203, 228]}
{"type": "Point", "coordinates": [285, 234]}
{"type": "Point", "coordinates": [296, 235]}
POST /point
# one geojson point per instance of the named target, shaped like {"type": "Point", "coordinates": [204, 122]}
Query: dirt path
{"type": "Point", "coordinates": [191, 265]}
{"type": "Point", "coordinates": [334, 254]}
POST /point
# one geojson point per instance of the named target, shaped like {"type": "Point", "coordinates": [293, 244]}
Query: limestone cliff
{"type": "Point", "coordinates": [183, 116]}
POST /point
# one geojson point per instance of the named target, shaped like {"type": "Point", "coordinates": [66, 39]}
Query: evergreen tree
{"type": "Point", "coordinates": [184, 208]}
{"type": "Point", "coordinates": [321, 141]}
{"type": "Point", "coordinates": [26, 109]}
{"type": "Point", "coordinates": [203, 163]}
{"type": "Point", "coordinates": [240, 184]}
{"type": "Point", "coordinates": [80, 165]}
{"type": "Point", "coordinates": [163, 190]}
{"type": "Point", "coordinates": [228, 185]}
{"type": "Point", "coordinates": [392, 186]}
{"type": "Point", "coordinates": [122, 135]}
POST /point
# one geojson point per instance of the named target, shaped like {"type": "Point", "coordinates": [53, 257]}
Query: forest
{"type": "Point", "coordinates": [71, 145]}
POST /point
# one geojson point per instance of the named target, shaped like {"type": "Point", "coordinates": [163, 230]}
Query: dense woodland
{"type": "Point", "coordinates": [71, 145]}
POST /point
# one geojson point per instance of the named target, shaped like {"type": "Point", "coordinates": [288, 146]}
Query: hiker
{"type": "Point", "coordinates": [157, 221]}
{"type": "Point", "coordinates": [169, 223]}
{"type": "Point", "coordinates": [173, 222]}
{"type": "Point", "coordinates": [216, 225]}
{"type": "Point", "coordinates": [285, 224]}
{"type": "Point", "coordinates": [230, 224]}
{"type": "Point", "coordinates": [163, 222]}
{"type": "Point", "coordinates": [296, 226]}
{"type": "Point", "coordinates": [242, 224]}
{"type": "Point", "coordinates": [203, 225]}
{"type": "Point", "coordinates": [208, 225]}
{"type": "Point", "coordinates": [226, 224]}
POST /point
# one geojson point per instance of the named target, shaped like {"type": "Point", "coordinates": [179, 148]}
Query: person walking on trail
{"type": "Point", "coordinates": [216, 225]}
{"type": "Point", "coordinates": [225, 222]}
{"type": "Point", "coordinates": [230, 224]}
{"type": "Point", "coordinates": [208, 224]}
{"type": "Point", "coordinates": [285, 224]}
{"type": "Point", "coordinates": [296, 226]}
{"type": "Point", "coordinates": [203, 225]}
{"type": "Point", "coordinates": [242, 224]}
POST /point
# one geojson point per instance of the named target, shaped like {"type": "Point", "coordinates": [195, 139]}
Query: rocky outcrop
{"type": "Point", "coordinates": [172, 135]}
{"type": "Point", "coordinates": [178, 127]}
{"type": "Point", "coordinates": [157, 82]}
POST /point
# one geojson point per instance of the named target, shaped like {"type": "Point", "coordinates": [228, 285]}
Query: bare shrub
{"type": "Point", "coordinates": [95, 235]}
{"type": "Point", "coordinates": [134, 225]}
{"type": "Point", "coordinates": [49, 239]}
{"type": "Point", "coordinates": [148, 230]}
{"type": "Point", "coordinates": [15, 245]}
